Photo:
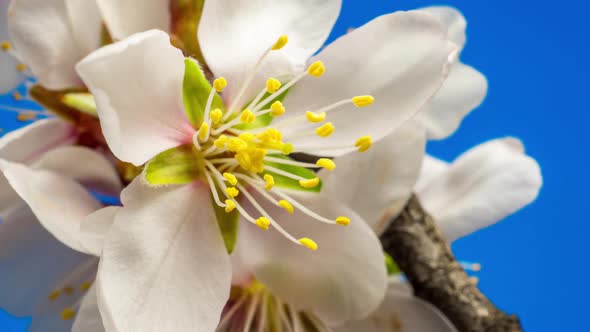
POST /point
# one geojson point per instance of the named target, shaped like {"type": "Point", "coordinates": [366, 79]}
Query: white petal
{"type": "Point", "coordinates": [344, 279]}
{"type": "Point", "coordinates": [401, 59]}
{"type": "Point", "coordinates": [88, 318]}
{"type": "Point", "coordinates": [47, 41]}
{"type": "Point", "coordinates": [452, 19]}
{"type": "Point", "coordinates": [10, 77]}
{"type": "Point", "coordinates": [432, 169]}
{"type": "Point", "coordinates": [463, 91]}
{"type": "Point", "coordinates": [234, 34]}
{"type": "Point", "coordinates": [401, 311]}
{"type": "Point", "coordinates": [124, 18]}
{"type": "Point", "coordinates": [139, 102]}
{"type": "Point", "coordinates": [96, 226]}
{"type": "Point", "coordinates": [28, 251]}
{"type": "Point", "coordinates": [484, 185]}
{"type": "Point", "coordinates": [59, 202]}
{"type": "Point", "coordinates": [165, 255]}
{"type": "Point", "coordinates": [96, 172]}
{"type": "Point", "coordinates": [377, 183]}
{"type": "Point", "coordinates": [29, 143]}
{"type": "Point", "coordinates": [86, 23]}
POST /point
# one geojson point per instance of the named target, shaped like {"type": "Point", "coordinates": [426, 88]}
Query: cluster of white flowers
{"type": "Point", "coordinates": [221, 227]}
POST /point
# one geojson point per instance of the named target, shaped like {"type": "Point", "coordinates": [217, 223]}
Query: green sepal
{"type": "Point", "coordinates": [288, 183]}
{"type": "Point", "coordinates": [178, 165]}
{"type": "Point", "coordinates": [195, 92]}
{"type": "Point", "coordinates": [228, 223]}
{"type": "Point", "coordinates": [391, 265]}
{"type": "Point", "coordinates": [262, 120]}
{"type": "Point", "coordinates": [81, 101]}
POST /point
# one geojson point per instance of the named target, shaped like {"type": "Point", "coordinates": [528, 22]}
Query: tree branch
{"type": "Point", "coordinates": [420, 250]}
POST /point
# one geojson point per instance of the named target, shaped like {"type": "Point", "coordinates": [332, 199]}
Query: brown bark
{"type": "Point", "coordinates": [420, 250]}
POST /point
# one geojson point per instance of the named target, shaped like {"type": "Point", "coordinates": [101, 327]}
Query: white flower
{"type": "Point", "coordinates": [164, 265]}
{"type": "Point", "coordinates": [51, 36]}
{"type": "Point", "coordinates": [481, 187]}
{"type": "Point", "coordinates": [463, 90]}
{"type": "Point", "coordinates": [40, 276]}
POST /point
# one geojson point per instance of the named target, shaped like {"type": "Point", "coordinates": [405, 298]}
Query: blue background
{"type": "Point", "coordinates": [535, 55]}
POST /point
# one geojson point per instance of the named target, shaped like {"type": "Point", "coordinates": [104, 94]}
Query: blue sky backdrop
{"type": "Point", "coordinates": [535, 55]}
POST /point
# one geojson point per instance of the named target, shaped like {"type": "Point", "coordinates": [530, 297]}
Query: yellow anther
{"type": "Point", "coordinates": [216, 115]}
{"type": "Point", "coordinates": [281, 42]}
{"type": "Point", "coordinates": [54, 295]}
{"type": "Point", "coordinates": [325, 130]}
{"type": "Point", "coordinates": [230, 178]}
{"type": "Point", "coordinates": [17, 96]}
{"type": "Point", "coordinates": [235, 144]}
{"type": "Point", "coordinates": [263, 223]}
{"type": "Point", "coordinates": [362, 101]}
{"type": "Point", "coordinates": [232, 192]}
{"type": "Point", "coordinates": [269, 181]}
{"type": "Point", "coordinates": [230, 205]}
{"type": "Point", "coordinates": [5, 45]}
{"type": "Point", "coordinates": [308, 243]}
{"type": "Point", "coordinates": [272, 85]}
{"type": "Point", "coordinates": [26, 116]}
{"type": "Point", "coordinates": [203, 131]}
{"type": "Point", "coordinates": [271, 135]}
{"type": "Point", "coordinates": [326, 163]}
{"type": "Point", "coordinates": [364, 143]}
{"type": "Point", "coordinates": [344, 221]}
{"type": "Point", "coordinates": [220, 142]}
{"type": "Point", "coordinates": [286, 205]}
{"type": "Point", "coordinates": [287, 149]}
{"type": "Point", "coordinates": [309, 183]}
{"type": "Point", "coordinates": [21, 67]}
{"type": "Point", "coordinates": [67, 314]}
{"type": "Point", "coordinates": [219, 84]}
{"type": "Point", "coordinates": [68, 290]}
{"type": "Point", "coordinates": [277, 108]}
{"type": "Point", "coordinates": [85, 286]}
{"type": "Point", "coordinates": [316, 69]}
{"type": "Point", "coordinates": [247, 137]}
{"type": "Point", "coordinates": [315, 117]}
{"type": "Point", "coordinates": [247, 116]}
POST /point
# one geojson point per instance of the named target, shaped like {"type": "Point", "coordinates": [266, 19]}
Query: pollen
{"type": "Point", "coordinates": [247, 137]}
{"type": "Point", "coordinates": [229, 205]}
{"type": "Point", "coordinates": [67, 314]}
{"type": "Point", "coordinates": [316, 69]}
{"type": "Point", "coordinates": [287, 149]}
{"type": "Point", "coordinates": [269, 181]}
{"type": "Point", "coordinates": [272, 85]}
{"type": "Point", "coordinates": [344, 221]}
{"type": "Point", "coordinates": [54, 295]}
{"type": "Point", "coordinates": [315, 117]}
{"type": "Point", "coordinates": [230, 178]}
{"type": "Point", "coordinates": [325, 130]}
{"type": "Point", "coordinates": [277, 108]}
{"type": "Point", "coordinates": [232, 192]}
{"type": "Point", "coordinates": [271, 135]}
{"type": "Point", "coordinates": [203, 131]}
{"type": "Point", "coordinates": [364, 143]}
{"type": "Point", "coordinates": [308, 243]}
{"type": "Point", "coordinates": [326, 163]}
{"type": "Point", "coordinates": [362, 101]}
{"type": "Point", "coordinates": [235, 144]}
{"type": "Point", "coordinates": [26, 116]}
{"type": "Point", "coordinates": [219, 84]}
{"type": "Point", "coordinates": [85, 286]}
{"type": "Point", "coordinates": [5, 45]}
{"type": "Point", "coordinates": [17, 96]}
{"type": "Point", "coordinates": [310, 183]}
{"type": "Point", "coordinates": [220, 142]}
{"type": "Point", "coordinates": [286, 205]}
{"type": "Point", "coordinates": [281, 42]}
{"type": "Point", "coordinates": [21, 67]}
{"type": "Point", "coordinates": [263, 223]}
{"type": "Point", "coordinates": [216, 115]}
{"type": "Point", "coordinates": [247, 116]}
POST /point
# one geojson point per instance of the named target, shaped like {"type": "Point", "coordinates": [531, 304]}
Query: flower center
{"type": "Point", "coordinates": [255, 308]}
{"type": "Point", "coordinates": [238, 154]}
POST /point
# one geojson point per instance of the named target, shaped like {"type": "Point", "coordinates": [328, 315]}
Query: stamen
{"type": "Point", "coordinates": [232, 192]}
{"type": "Point", "coordinates": [315, 117]}
{"type": "Point", "coordinates": [363, 101]}
{"type": "Point", "coordinates": [5, 45]}
{"type": "Point", "coordinates": [326, 163]}
{"type": "Point", "coordinates": [303, 208]}
{"type": "Point", "coordinates": [344, 221]}
{"type": "Point", "coordinates": [21, 67]}
{"type": "Point", "coordinates": [325, 130]}
{"type": "Point", "coordinates": [269, 181]}
{"type": "Point", "coordinates": [263, 223]}
{"type": "Point", "coordinates": [247, 116]}
{"type": "Point", "coordinates": [219, 84]}
{"type": "Point", "coordinates": [54, 295]}
{"type": "Point", "coordinates": [308, 243]}
{"type": "Point", "coordinates": [286, 205]}
{"type": "Point", "coordinates": [281, 42]}
{"type": "Point", "coordinates": [203, 131]}
{"type": "Point", "coordinates": [284, 173]}
{"type": "Point", "coordinates": [67, 314]}
{"type": "Point", "coordinates": [309, 183]}
{"type": "Point", "coordinates": [230, 178]}
{"type": "Point", "coordinates": [272, 85]}
{"type": "Point", "coordinates": [216, 115]}
{"type": "Point", "coordinates": [316, 69]}
{"type": "Point", "coordinates": [364, 143]}
{"type": "Point", "coordinates": [226, 318]}
{"type": "Point", "coordinates": [280, 91]}
{"type": "Point", "coordinates": [250, 313]}
{"type": "Point", "coordinates": [231, 205]}
{"type": "Point", "coordinates": [214, 190]}
{"type": "Point", "coordinates": [86, 286]}
{"type": "Point", "coordinates": [220, 142]}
